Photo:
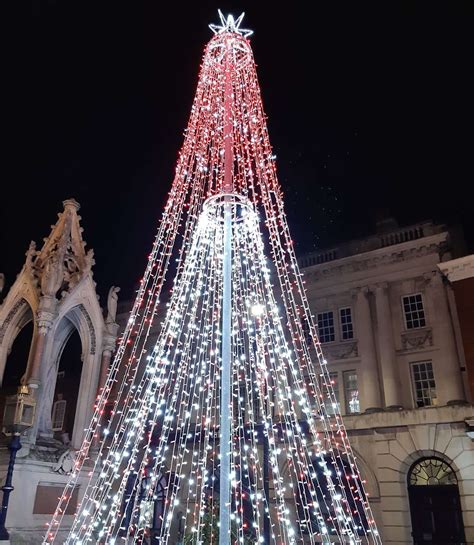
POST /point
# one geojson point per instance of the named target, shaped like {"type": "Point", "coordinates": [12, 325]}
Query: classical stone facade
{"type": "Point", "coordinates": [397, 354]}
{"type": "Point", "coordinates": [55, 292]}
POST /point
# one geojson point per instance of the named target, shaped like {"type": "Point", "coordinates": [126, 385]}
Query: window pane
{"type": "Point", "coordinates": [326, 326]}
{"type": "Point", "coordinates": [351, 392]}
{"type": "Point", "coordinates": [414, 311]}
{"type": "Point", "coordinates": [331, 402]}
{"type": "Point", "coordinates": [424, 386]}
{"type": "Point", "coordinates": [347, 329]}
{"type": "Point", "coordinates": [59, 412]}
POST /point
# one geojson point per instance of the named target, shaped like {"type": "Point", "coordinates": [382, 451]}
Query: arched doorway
{"type": "Point", "coordinates": [16, 364]}
{"type": "Point", "coordinates": [435, 507]}
{"type": "Point", "coordinates": [67, 388]}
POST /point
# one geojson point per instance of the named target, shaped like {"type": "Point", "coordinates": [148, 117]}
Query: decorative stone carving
{"type": "Point", "coordinates": [89, 261]}
{"type": "Point", "coordinates": [52, 276]}
{"type": "Point", "coordinates": [16, 307]}
{"type": "Point", "coordinates": [359, 264]}
{"type": "Point", "coordinates": [90, 325]}
{"type": "Point", "coordinates": [341, 351]}
{"type": "Point", "coordinates": [417, 339]}
{"type": "Point", "coordinates": [62, 262]}
{"type": "Point", "coordinates": [30, 256]}
{"type": "Point", "coordinates": [65, 464]}
{"type": "Point", "coordinates": [458, 269]}
{"type": "Point", "coordinates": [45, 320]}
{"type": "Point", "coordinates": [112, 305]}
{"type": "Point", "coordinates": [110, 338]}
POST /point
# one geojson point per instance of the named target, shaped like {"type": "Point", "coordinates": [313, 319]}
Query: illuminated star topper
{"type": "Point", "coordinates": [230, 25]}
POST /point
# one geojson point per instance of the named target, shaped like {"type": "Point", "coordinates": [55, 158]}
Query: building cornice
{"type": "Point", "coordinates": [409, 417]}
{"type": "Point", "coordinates": [458, 269]}
{"type": "Point", "coordinates": [382, 256]}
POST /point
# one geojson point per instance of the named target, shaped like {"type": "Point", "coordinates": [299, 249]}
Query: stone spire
{"type": "Point", "coordinates": [63, 260]}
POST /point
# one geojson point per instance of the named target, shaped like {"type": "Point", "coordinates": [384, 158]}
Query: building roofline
{"type": "Point", "coordinates": [377, 241]}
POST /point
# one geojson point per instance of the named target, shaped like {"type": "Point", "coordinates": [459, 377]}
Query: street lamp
{"type": "Point", "coordinates": [18, 416]}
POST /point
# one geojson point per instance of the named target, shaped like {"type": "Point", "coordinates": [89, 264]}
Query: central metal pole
{"type": "Point", "coordinates": [225, 444]}
{"type": "Point", "coordinates": [226, 417]}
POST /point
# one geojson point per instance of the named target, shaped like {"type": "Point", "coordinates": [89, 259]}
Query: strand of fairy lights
{"type": "Point", "coordinates": [113, 452]}
{"type": "Point", "coordinates": [199, 172]}
{"type": "Point", "coordinates": [138, 389]}
{"type": "Point", "coordinates": [252, 293]}
{"type": "Point", "coordinates": [291, 426]}
{"type": "Point", "coordinates": [155, 469]}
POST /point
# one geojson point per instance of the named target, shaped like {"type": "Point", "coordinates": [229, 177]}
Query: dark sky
{"type": "Point", "coordinates": [369, 107]}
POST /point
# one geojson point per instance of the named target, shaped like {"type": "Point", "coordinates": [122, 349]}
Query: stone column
{"type": "Point", "coordinates": [40, 376]}
{"type": "Point", "coordinates": [449, 387]}
{"type": "Point", "coordinates": [366, 349]}
{"type": "Point", "coordinates": [44, 321]}
{"type": "Point", "coordinates": [388, 362]}
{"type": "Point", "coordinates": [104, 369]}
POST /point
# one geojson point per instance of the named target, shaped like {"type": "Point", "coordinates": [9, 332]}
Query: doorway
{"type": "Point", "coordinates": [435, 506]}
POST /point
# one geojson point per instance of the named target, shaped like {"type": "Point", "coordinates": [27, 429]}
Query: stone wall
{"type": "Point", "coordinates": [389, 444]}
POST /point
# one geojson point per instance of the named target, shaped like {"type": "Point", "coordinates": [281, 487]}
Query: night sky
{"type": "Point", "coordinates": [369, 106]}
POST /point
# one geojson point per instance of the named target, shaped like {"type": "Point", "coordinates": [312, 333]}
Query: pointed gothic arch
{"type": "Point", "coordinates": [17, 314]}
{"type": "Point", "coordinates": [74, 318]}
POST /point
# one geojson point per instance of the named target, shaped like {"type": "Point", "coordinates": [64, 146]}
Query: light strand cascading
{"type": "Point", "coordinates": [163, 429]}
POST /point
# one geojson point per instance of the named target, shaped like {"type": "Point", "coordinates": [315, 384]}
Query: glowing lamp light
{"type": "Point", "coordinates": [19, 412]}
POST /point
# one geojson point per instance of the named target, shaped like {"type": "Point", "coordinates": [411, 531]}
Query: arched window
{"type": "Point", "coordinates": [435, 507]}
{"type": "Point", "coordinates": [58, 414]}
{"type": "Point", "coordinates": [432, 471]}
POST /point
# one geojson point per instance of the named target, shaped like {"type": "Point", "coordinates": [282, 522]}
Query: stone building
{"type": "Point", "coordinates": [395, 314]}
{"type": "Point", "coordinates": [55, 339]}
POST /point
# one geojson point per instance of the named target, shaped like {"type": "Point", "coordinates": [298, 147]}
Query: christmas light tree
{"type": "Point", "coordinates": [227, 429]}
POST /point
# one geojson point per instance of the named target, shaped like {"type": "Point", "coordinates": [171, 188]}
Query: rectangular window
{"type": "Point", "coordinates": [59, 412]}
{"type": "Point", "coordinates": [414, 311]}
{"type": "Point", "coordinates": [351, 392]}
{"type": "Point", "coordinates": [326, 326]}
{"type": "Point", "coordinates": [347, 328]}
{"type": "Point", "coordinates": [424, 386]}
{"type": "Point", "coordinates": [332, 407]}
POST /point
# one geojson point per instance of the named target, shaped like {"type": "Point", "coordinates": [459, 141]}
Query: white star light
{"type": "Point", "coordinates": [230, 25]}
